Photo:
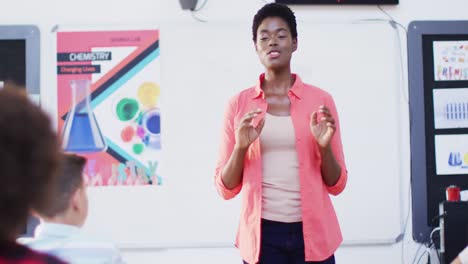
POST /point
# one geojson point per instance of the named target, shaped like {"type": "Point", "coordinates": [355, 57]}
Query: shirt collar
{"type": "Point", "coordinates": [55, 230]}
{"type": "Point", "coordinates": [296, 89]}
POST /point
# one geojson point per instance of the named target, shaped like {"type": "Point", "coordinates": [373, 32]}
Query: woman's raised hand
{"type": "Point", "coordinates": [246, 133]}
{"type": "Point", "coordinates": [322, 129]}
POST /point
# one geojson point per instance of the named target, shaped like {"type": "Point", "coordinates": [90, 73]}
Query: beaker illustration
{"type": "Point", "coordinates": [81, 132]}
{"type": "Point", "coordinates": [455, 159]}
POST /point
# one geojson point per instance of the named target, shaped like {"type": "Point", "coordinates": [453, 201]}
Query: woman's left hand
{"type": "Point", "coordinates": [322, 129]}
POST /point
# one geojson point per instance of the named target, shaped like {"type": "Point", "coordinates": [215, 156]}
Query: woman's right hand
{"type": "Point", "coordinates": [246, 133]}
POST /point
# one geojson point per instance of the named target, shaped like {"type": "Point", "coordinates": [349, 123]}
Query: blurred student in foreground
{"type": "Point", "coordinates": [59, 232]}
{"type": "Point", "coordinates": [29, 153]}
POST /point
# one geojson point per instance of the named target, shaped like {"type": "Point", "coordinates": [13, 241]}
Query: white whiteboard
{"type": "Point", "coordinates": [203, 64]}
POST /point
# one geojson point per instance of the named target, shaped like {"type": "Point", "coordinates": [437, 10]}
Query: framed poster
{"type": "Point", "coordinates": [20, 58]}
{"type": "Point", "coordinates": [108, 103]}
{"type": "Point", "coordinates": [438, 81]}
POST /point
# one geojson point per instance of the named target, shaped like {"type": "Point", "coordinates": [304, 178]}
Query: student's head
{"type": "Point", "coordinates": [275, 35]}
{"type": "Point", "coordinates": [70, 205]}
{"type": "Point", "coordinates": [29, 152]}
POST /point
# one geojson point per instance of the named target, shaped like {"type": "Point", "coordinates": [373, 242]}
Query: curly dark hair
{"type": "Point", "coordinates": [29, 152]}
{"type": "Point", "coordinates": [274, 10]}
{"type": "Point", "coordinates": [69, 179]}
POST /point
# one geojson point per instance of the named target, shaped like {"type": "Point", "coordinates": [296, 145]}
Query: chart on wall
{"type": "Point", "coordinates": [450, 108]}
{"type": "Point", "coordinates": [450, 60]}
{"type": "Point", "coordinates": [108, 90]}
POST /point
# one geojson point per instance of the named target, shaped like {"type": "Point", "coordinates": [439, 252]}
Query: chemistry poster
{"type": "Point", "coordinates": [108, 90]}
{"type": "Point", "coordinates": [451, 154]}
{"type": "Point", "coordinates": [450, 60]}
{"type": "Point", "coordinates": [450, 108]}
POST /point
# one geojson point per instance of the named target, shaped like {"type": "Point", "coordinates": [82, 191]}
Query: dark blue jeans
{"type": "Point", "coordinates": [283, 243]}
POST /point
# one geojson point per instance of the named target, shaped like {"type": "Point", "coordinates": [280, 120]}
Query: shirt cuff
{"type": "Point", "coordinates": [224, 191]}
{"type": "Point", "coordinates": [340, 184]}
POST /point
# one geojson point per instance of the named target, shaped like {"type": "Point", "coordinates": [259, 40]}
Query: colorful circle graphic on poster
{"type": "Point", "coordinates": [143, 115]}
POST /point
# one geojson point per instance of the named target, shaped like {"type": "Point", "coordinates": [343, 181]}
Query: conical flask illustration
{"type": "Point", "coordinates": [81, 132]}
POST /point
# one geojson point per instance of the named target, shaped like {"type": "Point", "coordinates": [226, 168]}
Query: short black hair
{"type": "Point", "coordinates": [274, 10]}
{"type": "Point", "coordinates": [69, 179]}
{"type": "Point", "coordinates": [29, 155]}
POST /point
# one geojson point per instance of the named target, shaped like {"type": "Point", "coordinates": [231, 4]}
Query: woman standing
{"type": "Point", "coordinates": [281, 144]}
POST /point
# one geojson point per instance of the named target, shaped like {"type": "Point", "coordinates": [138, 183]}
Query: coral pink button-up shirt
{"type": "Point", "coordinates": [322, 234]}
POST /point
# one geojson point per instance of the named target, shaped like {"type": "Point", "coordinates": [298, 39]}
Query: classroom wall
{"type": "Point", "coordinates": [47, 13]}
